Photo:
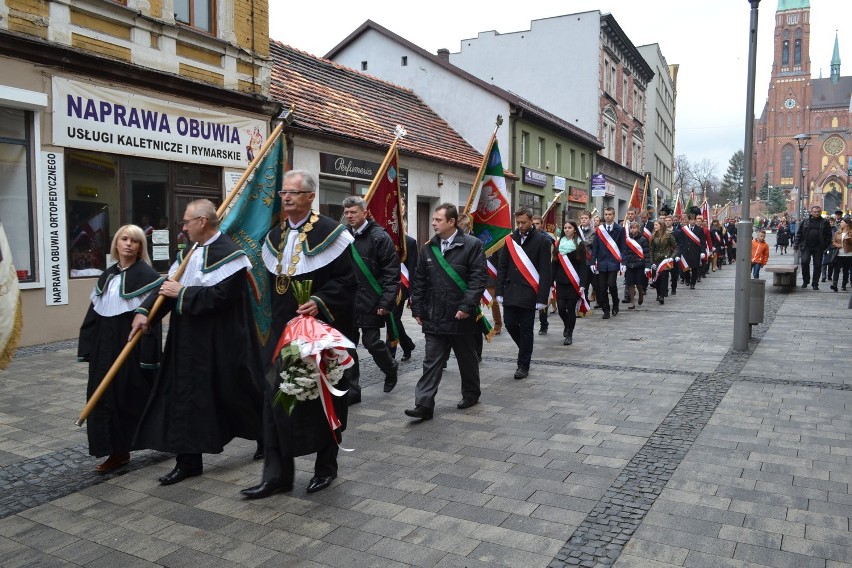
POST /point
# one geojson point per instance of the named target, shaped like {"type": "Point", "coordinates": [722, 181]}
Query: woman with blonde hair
{"type": "Point", "coordinates": [120, 290]}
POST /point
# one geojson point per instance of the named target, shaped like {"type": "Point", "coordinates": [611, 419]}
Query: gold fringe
{"type": "Point", "coordinates": [17, 326]}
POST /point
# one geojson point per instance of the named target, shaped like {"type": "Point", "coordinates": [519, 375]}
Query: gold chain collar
{"type": "Point", "coordinates": [282, 281]}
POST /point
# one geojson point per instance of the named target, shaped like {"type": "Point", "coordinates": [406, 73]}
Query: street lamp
{"type": "Point", "coordinates": [802, 142]}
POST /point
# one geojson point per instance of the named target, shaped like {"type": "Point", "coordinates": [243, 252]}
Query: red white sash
{"type": "Point", "coordinates": [693, 237]}
{"type": "Point", "coordinates": [609, 242]}
{"type": "Point", "coordinates": [636, 248]}
{"type": "Point", "coordinates": [492, 272]}
{"type": "Point", "coordinates": [403, 276]}
{"type": "Point", "coordinates": [683, 264]}
{"type": "Point", "coordinates": [582, 304]}
{"type": "Point", "coordinates": [647, 232]}
{"type": "Point", "coordinates": [523, 263]}
{"type": "Point", "coordinates": [486, 298]}
{"type": "Point", "coordinates": [665, 264]}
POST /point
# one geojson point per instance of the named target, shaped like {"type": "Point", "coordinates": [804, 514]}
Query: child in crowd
{"type": "Point", "coordinates": [759, 253]}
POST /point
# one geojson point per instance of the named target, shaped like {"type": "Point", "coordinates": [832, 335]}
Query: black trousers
{"type": "Point", "coordinates": [436, 352]}
{"type": "Point", "coordinates": [519, 322]}
{"type": "Point", "coordinates": [663, 283]}
{"type": "Point", "coordinates": [371, 338]}
{"type": "Point", "coordinates": [189, 462]}
{"type": "Point", "coordinates": [809, 255]}
{"type": "Point", "coordinates": [278, 464]}
{"type": "Point", "coordinates": [675, 274]}
{"type": "Point", "coordinates": [567, 308]}
{"type": "Point", "coordinates": [542, 318]}
{"type": "Point", "coordinates": [608, 281]}
{"type": "Point", "coordinates": [405, 341]}
{"type": "Point", "coordinates": [842, 264]}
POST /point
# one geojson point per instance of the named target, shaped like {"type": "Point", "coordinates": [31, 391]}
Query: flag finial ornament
{"type": "Point", "coordinates": [400, 131]}
{"type": "Point", "coordinates": [499, 120]}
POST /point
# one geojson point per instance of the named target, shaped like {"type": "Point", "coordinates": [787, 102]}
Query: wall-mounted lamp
{"type": "Point", "coordinates": [440, 179]}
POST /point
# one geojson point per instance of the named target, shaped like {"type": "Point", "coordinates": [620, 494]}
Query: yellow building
{"type": "Point", "coordinates": [115, 112]}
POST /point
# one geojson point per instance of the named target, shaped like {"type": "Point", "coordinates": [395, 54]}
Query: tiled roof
{"type": "Point", "coordinates": [339, 102]}
{"type": "Point", "coordinates": [831, 95]}
{"type": "Point", "coordinates": [551, 120]}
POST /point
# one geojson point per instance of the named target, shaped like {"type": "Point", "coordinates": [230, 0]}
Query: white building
{"type": "Point", "coordinates": [660, 103]}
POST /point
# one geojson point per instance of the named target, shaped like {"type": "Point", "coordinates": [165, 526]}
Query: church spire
{"type": "Point", "coordinates": [835, 61]}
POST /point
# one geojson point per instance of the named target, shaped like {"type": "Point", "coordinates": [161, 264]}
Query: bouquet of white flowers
{"type": "Point", "coordinates": [311, 357]}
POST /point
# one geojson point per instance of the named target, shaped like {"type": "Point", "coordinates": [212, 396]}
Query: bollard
{"type": "Point", "coordinates": [757, 297]}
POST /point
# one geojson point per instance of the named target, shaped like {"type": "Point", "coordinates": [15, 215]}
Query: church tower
{"type": "Point", "coordinates": [835, 62]}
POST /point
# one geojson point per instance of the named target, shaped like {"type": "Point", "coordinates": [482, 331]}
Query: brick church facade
{"type": "Point", "coordinates": [798, 104]}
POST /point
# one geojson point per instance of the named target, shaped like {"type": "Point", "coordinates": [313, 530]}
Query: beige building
{"type": "Point", "coordinates": [115, 112]}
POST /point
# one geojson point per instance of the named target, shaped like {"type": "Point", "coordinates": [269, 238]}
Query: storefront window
{"type": "Point", "coordinates": [106, 192]}
{"type": "Point", "coordinates": [334, 191]}
{"type": "Point", "coordinates": [16, 182]}
{"type": "Point", "coordinates": [531, 201]}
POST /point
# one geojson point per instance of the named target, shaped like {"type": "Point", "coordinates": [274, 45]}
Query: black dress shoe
{"type": "Point", "coordinates": [815, 286]}
{"type": "Point", "coordinates": [265, 489]}
{"type": "Point", "coordinates": [542, 331]}
{"type": "Point", "coordinates": [614, 311]}
{"type": "Point", "coordinates": [390, 378]}
{"type": "Point", "coordinates": [692, 286]}
{"type": "Point", "coordinates": [420, 412]}
{"type": "Point", "coordinates": [258, 453]}
{"type": "Point", "coordinates": [833, 287]}
{"type": "Point", "coordinates": [605, 316]}
{"type": "Point", "coordinates": [568, 340]}
{"type": "Point", "coordinates": [804, 286]}
{"type": "Point", "coordinates": [674, 291]}
{"type": "Point", "coordinates": [467, 403]}
{"type": "Point", "coordinates": [406, 355]}
{"type": "Point", "coordinates": [177, 475]}
{"type": "Point", "coordinates": [521, 373]}
{"type": "Point", "coordinates": [318, 483]}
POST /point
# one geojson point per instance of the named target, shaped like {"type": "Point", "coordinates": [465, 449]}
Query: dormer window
{"type": "Point", "coordinates": [404, 61]}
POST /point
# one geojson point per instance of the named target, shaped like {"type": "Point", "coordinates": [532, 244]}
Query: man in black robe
{"type": "Point", "coordinates": [208, 389]}
{"type": "Point", "coordinates": [307, 246]}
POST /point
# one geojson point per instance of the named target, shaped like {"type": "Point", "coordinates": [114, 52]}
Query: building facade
{"type": "Point", "coordinates": [660, 101]}
{"type": "Point", "coordinates": [548, 155]}
{"type": "Point", "coordinates": [597, 80]}
{"type": "Point", "coordinates": [117, 112]}
{"type": "Point", "coordinates": [798, 104]}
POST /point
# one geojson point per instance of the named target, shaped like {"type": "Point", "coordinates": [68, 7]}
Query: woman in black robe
{"type": "Point", "coordinates": [119, 291]}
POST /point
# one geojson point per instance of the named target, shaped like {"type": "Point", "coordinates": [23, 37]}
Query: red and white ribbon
{"type": "Point", "coordinates": [635, 247]}
{"type": "Point", "coordinates": [523, 263]}
{"type": "Point", "coordinates": [609, 242]}
{"type": "Point", "coordinates": [683, 264]}
{"type": "Point", "coordinates": [693, 237]}
{"type": "Point", "coordinates": [665, 264]}
{"type": "Point", "coordinates": [582, 304]}
{"type": "Point", "coordinates": [647, 232]}
{"type": "Point", "coordinates": [486, 298]}
{"type": "Point", "coordinates": [326, 389]}
{"type": "Point", "coordinates": [492, 272]}
{"type": "Point", "coordinates": [403, 276]}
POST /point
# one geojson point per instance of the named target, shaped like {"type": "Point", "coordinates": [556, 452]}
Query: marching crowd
{"type": "Point", "coordinates": [213, 380]}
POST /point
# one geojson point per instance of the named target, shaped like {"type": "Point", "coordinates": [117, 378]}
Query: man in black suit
{"type": "Point", "coordinates": [692, 247]}
{"type": "Point", "coordinates": [608, 253]}
{"type": "Point", "coordinates": [524, 277]}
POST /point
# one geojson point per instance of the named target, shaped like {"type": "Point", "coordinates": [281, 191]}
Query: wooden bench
{"type": "Point", "coordinates": [784, 276]}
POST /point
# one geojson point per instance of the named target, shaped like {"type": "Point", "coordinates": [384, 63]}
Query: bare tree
{"type": "Point", "coordinates": [705, 180]}
{"type": "Point", "coordinates": [682, 174]}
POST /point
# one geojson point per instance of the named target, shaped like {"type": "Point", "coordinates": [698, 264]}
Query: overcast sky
{"type": "Point", "coordinates": [707, 38]}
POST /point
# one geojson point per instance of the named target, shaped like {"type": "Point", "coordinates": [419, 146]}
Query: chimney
{"type": "Point", "coordinates": [444, 54]}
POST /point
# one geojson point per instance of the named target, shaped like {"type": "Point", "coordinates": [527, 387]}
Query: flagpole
{"type": "Point", "coordinates": [645, 194]}
{"type": "Point", "coordinates": [556, 199]}
{"type": "Point", "coordinates": [399, 132]}
{"type": "Point", "coordinates": [482, 166]}
{"type": "Point", "coordinates": [125, 352]}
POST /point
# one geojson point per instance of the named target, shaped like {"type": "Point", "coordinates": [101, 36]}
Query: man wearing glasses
{"type": "Point", "coordinates": [306, 246]}
{"type": "Point", "coordinates": [208, 390]}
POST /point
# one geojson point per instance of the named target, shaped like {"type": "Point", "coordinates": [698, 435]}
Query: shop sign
{"type": "Point", "coordinates": [534, 177]}
{"type": "Point", "coordinates": [578, 195]}
{"type": "Point", "coordinates": [53, 218]}
{"type": "Point", "coordinates": [559, 183]}
{"type": "Point", "coordinates": [93, 117]}
{"type": "Point", "coordinates": [352, 168]}
{"type": "Point", "coordinates": [598, 185]}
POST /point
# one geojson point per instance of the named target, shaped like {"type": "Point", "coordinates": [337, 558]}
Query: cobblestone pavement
{"type": "Point", "coordinates": [646, 443]}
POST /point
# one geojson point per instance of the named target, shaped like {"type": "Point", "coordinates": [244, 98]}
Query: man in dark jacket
{"type": "Point", "coordinates": [813, 237]}
{"type": "Point", "coordinates": [608, 260]}
{"type": "Point", "coordinates": [692, 248]}
{"type": "Point", "coordinates": [445, 293]}
{"type": "Point", "coordinates": [377, 269]}
{"type": "Point", "coordinates": [524, 277]}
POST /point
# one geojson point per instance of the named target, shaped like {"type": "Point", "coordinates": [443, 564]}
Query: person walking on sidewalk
{"type": "Point", "coordinates": [759, 253]}
{"type": "Point", "coordinates": [570, 269]}
{"type": "Point", "coordinates": [637, 259]}
{"type": "Point", "coordinates": [377, 269]}
{"type": "Point", "coordinates": [120, 290]}
{"type": "Point", "coordinates": [209, 388]}
{"type": "Point", "coordinates": [306, 246]}
{"type": "Point", "coordinates": [523, 284]}
{"type": "Point", "coordinates": [842, 242]}
{"type": "Point", "coordinates": [812, 238]}
{"type": "Point", "coordinates": [608, 261]}
{"type": "Point", "coordinates": [446, 289]}
{"type": "Point", "coordinates": [663, 250]}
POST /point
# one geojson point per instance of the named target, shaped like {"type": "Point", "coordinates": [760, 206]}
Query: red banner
{"type": "Point", "coordinates": [385, 204]}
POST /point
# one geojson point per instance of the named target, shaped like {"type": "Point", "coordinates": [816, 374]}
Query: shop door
{"type": "Point", "coordinates": [424, 222]}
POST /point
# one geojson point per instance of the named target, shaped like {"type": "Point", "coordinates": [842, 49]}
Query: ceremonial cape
{"type": "Point", "coordinates": [327, 263]}
{"type": "Point", "coordinates": [103, 335]}
{"type": "Point", "coordinates": [208, 390]}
